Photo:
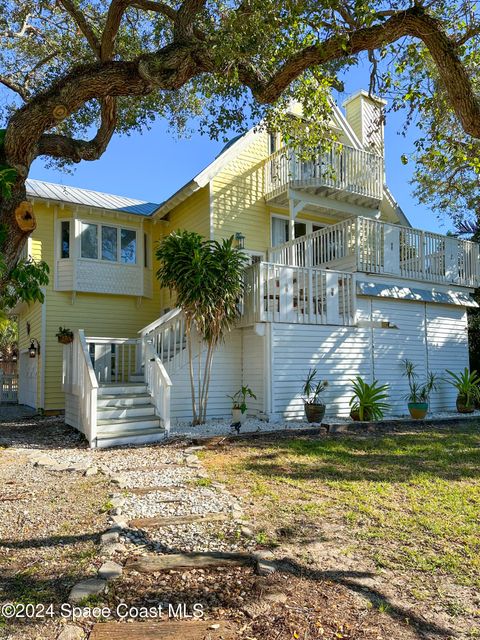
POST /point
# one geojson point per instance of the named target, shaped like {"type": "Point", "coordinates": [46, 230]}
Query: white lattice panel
{"type": "Point", "coordinates": [108, 277]}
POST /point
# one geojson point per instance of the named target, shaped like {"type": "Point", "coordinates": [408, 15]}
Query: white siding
{"type": "Point", "coordinates": [253, 369]}
{"type": "Point", "coordinates": [391, 346]}
{"type": "Point", "coordinates": [447, 348]}
{"type": "Point", "coordinates": [338, 353]}
{"type": "Point", "coordinates": [433, 336]}
{"type": "Point", "coordinates": [226, 380]}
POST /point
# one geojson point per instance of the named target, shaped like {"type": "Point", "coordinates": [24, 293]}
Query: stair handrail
{"type": "Point", "coordinates": [158, 384]}
{"type": "Point", "coordinates": [87, 389]}
{"type": "Point", "coordinates": [170, 315]}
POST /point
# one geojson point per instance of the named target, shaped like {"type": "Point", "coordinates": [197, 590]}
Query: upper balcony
{"type": "Point", "coordinates": [371, 246]}
{"type": "Point", "coordinates": [342, 173]}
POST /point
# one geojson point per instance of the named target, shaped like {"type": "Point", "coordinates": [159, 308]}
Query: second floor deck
{"type": "Point", "coordinates": [371, 246]}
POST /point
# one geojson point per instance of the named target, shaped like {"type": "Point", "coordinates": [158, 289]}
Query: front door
{"type": "Point", "coordinates": [27, 380]}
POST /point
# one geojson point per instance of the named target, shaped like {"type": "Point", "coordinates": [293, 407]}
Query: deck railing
{"type": "Point", "coordinates": [168, 337]}
{"type": "Point", "coordinates": [341, 167]}
{"type": "Point", "coordinates": [372, 246]}
{"type": "Point", "coordinates": [114, 359]}
{"type": "Point", "coordinates": [276, 293]}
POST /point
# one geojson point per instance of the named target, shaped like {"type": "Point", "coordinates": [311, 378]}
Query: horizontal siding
{"type": "Point", "coordinates": [447, 348]}
{"type": "Point", "coordinates": [193, 214]}
{"type": "Point", "coordinates": [253, 368]}
{"type": "Point", "coordinates": [226, 380]}
{"type": "Point", "coordinates": [391, 346]}
{"type": "Point", "coordinates": [238, 203]}
{"type": "Point", "coordinates": [338, 354]}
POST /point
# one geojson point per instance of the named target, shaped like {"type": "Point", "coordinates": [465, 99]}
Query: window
{"type": "Point", "coordinates": [281, 229]}
{"type": "Point", "coordinates": [272, 142]}
{"type": "Point", "coordinates": [65, 239]}
{"type": "Point", "coordinates": [89, 240]}
{"type": "Point", "coordinates": [128, 246]}
{"type": "Point", "coordinates": [109, 243]}
{"type": "Point", "coordinates": [104, 242]}
{"type": "Point", "coordinates": [145, 251]}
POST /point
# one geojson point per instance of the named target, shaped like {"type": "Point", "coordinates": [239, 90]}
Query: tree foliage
{"type": "Point", "coordinates": [77, 71]}
{"type": "Point", "coordinates": [207, 280]}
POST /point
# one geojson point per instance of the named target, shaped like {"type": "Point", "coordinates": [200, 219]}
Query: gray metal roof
{"type": "Point", "coordinates": [380, 290]}
{"type": "Point", "coordinates": [88, 198]}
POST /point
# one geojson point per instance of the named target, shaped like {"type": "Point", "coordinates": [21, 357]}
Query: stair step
{"type": "Point", "coordinates": [133, 411]}
{"type": "Point", "coordinates": [126, 388]}
{"type": "Point", "coordinates": [116, 425]}
{"type": "Point", "coordinates": [126, 437]}
{"type": "Point", "coordinates": [123, 400]}
{"type": "Point", "coordinates": [138, 377]}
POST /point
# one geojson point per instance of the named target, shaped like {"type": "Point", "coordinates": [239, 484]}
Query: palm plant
{"type": "Point", "coordinates": [419, 392]}
{"type": "Point", "coordinates": [207, 279]}
{"type": "Point", "coordinates": [312, 389]}
{"type": "Point", "coordinates": [467, 385]}
{"type": "Point", "coordinates": [368, 400]}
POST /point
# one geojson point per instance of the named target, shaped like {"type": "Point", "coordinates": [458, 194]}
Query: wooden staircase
{"type": "Point", "coordinates": [126, 414]}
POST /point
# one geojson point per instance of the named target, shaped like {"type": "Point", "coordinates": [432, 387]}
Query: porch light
{"type": "Point", "coordinates": [240, 238]}
{"type": "Point", "coordinates": [33, 350]}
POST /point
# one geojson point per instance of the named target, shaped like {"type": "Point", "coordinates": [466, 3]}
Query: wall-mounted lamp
{"type": "Point", "coordinates": [240, 238]}
{"type": "Point", "coordinates": [34, 350]}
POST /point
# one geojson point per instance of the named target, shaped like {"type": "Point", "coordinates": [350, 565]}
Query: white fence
{"type": "Point", "coordinates": [341, 167]}
{"type": "Point", "coordinates": [276, 293]}
{"type": "Point", "coordinates": [372, 246]}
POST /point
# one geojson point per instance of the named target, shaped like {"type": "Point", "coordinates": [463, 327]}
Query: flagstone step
{"type": "Point", "coordinates": [151, 563]}
{"type": "Point", "coordinates": [168, 630]}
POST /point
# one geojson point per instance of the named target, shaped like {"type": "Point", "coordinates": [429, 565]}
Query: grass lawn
{"type": "Point", "coordinates": [408, 503]}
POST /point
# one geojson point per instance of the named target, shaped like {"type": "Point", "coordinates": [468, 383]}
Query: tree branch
{"type": "Point", "coordinates": [14, 86]}
{"type": "Point", "coordinates": [184, 22]}
{"type": "Point", "coordinates": [58, 146]}
{"type": "Point", "coordinates": [83, 25]}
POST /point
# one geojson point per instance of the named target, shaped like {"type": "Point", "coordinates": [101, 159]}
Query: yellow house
{"type": "Point", "coordinates": [338, 281]}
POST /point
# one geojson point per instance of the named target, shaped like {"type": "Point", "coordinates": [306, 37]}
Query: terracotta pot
{"type": "Point", "coordinates": [463, 407]}
{"type": "Point", "coordinates": [314, 412]}
{"type": "Point", "coordinates": [418, 410]}
{"type": "Point", "coordinates": [65, 339]}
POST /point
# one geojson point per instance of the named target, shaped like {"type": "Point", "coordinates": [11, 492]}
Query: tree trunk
{"type": "Point", "coordinates": [15, 237]}
{"type": "Point", "coordinates": [188, 329]}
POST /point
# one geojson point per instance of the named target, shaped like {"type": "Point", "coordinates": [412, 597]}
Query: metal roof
{"type": "Point", "coordinates": [88, 198]}
{"type": "Point", "coordinates": [377, 289]}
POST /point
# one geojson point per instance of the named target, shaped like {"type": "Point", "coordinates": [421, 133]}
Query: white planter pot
{"type": "Point", "coordinates": [238, 416]}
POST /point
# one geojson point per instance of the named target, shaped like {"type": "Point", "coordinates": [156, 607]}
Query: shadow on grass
{"type": "Point", "coordinates": [445, 454]}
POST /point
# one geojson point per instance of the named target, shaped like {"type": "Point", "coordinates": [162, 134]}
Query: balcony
{"type": "Point", "coordinates": [302, 295]}
{"type": "Point", "coordinates": [342, 173]}
{"type": "Point", "coordinates": [372, 246]}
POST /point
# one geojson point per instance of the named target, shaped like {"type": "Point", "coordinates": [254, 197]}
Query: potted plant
{"type": "Point", "coordinates": [467, 385]}
{"type": "Point", "coordinates": [368, 400]}
{"type": "Point", "coordinates": [239, 407]}
{"type": "Point", "coordinates": [314, 408]}
{"type": "Point", "coordinates": [64, 335]}
{"type": "Point", "coordinates": [419, 394]}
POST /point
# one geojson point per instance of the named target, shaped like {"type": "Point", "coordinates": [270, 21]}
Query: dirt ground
{"type": "Point", "coordinates": [50, 525]}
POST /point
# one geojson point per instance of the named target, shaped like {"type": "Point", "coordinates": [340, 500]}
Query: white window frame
{"type": "Point", "coordinates": [308, 224]}
{"type": "Point", "coordinates": [59, 237]}
{"type": "Point", "coordinates": [118, 227]}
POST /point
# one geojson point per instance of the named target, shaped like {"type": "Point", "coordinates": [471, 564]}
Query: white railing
{"type": "Point", "coordinates": [276, 293]}
{"type": "Point", "coordinates": [341, 167]}
{"type": "Point", "coordinates": [168, 338]}
{"type": "Point", "coordinates": [158, 384]}
{"type": "Point", "coordinates": [114, 359]}
{"type": "Point", "coordinates": [372, 246]}
{"type": "Point", "coordinates": [80, 381]}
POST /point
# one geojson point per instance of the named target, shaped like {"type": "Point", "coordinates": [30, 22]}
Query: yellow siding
{"type": "Point", "coordinates": [99, 315]}
{"type": "Point", "coordinates": [238, 203]}
{"type": "Point", "coordinates": [353, 112]}
{"type": "Point", "coordinates": [192, 214]}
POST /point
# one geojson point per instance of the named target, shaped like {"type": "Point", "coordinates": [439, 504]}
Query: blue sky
{"type": "Point", "coordinates": [155, 164]}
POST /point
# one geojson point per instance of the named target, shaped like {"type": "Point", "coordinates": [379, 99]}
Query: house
{"type": "Point", "coordinates": [338, 280]}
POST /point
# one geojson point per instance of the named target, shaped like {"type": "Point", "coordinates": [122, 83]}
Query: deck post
{"type": "Point", "coordinates": [333, 315]}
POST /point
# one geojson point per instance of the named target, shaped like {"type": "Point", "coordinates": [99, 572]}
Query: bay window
{"type": "Point", "coordinates": [107, 243]}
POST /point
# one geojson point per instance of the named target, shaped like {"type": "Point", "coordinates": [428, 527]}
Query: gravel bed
{"type": "Point", "coordinates": [187, 538]}
{"type": "Point", "coordinates": [174, 477]}
{"type": "Point", "coordinates": [222, 427]}
{"type": "Point", "coordinates": [194, 501]}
